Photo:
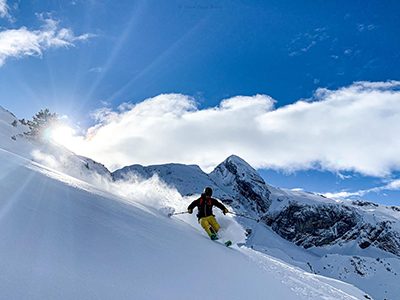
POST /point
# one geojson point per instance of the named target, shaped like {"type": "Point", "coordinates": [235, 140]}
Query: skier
{"type": "Point", "coordinates": [206, 218]}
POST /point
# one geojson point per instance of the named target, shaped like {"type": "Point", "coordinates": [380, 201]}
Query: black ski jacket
{"type": "Point", "coordinates": [205, 206]}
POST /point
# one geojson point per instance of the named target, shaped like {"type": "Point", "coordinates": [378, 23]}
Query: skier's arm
{"type": "Point", "coordinates": [220, 206]}
{"type": "Point", "coordinates": [193, 205]}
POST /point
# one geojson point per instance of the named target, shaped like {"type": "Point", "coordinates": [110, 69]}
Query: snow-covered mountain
{"type": "Point", "coordinates": [62, 236]}
{"type": "Point", "coordinates": [357, 241]}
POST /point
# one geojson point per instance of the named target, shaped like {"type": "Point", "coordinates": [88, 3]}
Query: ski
{"type": "Point", "coordinates": [228, 243]}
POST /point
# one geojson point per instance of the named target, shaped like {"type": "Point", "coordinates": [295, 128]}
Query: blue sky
{"type": "Point", "coordinates": [126, 51]}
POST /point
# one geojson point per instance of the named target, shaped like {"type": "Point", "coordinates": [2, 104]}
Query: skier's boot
{"type": "Point", "coordinates": [213, 235]}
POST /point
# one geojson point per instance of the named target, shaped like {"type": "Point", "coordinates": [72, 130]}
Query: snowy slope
{"type": "Point", "coordinates": [357, 242]}
{"type": "Point", "coordinates": [64, 238]}
{"type": "Point", "coordinates": [49, 154]}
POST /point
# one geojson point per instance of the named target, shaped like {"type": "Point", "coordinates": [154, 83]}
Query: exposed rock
{"type": "Point", "coordinates": [310, 226]}
{"type": "Point", "coordinates": [395, 208]}
{"type": "Point", "coordinates": [364, 203]}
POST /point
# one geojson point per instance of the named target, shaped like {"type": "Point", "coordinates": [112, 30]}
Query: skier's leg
{"type": "Point", "coordinates": [206, 225]}
{"type": "Point", "coordinates": [214, 224]}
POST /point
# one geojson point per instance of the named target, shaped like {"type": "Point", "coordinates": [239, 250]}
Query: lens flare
{"type": "Point", "coordinates": [63, 135]}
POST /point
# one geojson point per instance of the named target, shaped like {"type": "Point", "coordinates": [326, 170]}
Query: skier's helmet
{"type": "Point", "coordinates": [208, 191]}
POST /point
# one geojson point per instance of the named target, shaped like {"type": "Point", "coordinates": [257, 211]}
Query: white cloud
{"type": "Point", "coordinates": [4, 9]}
{"type": "Point", "coordinates": [392, 185]}
{"type": "Point", "coordinates": [354, 128]}
{"type": "Point", "coordinates": [343, 194]}
{"type": "Point", "coordinates": [303, 42]}
{"type": "Point", "coordinates": [364, 27]}
{"type": "Point", "coordinates": [22, 42]}
{"type": "Point", "coordinates": [348, 51]}
{"type": "Point", "coordinates": [342, 176]}
{"type": "Point", "coordinates": [96, 70]}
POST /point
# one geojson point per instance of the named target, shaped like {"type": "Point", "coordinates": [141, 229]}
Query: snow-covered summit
{"type": "Point", "coordinates": [239, 179]}
{"type": "Point", "coordinates": [234, 168]}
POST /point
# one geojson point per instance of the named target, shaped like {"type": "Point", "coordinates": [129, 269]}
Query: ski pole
{"type": "Point", "coordinates": [244, 216]}
{"type": "Point", "coordinates": [180, 213]}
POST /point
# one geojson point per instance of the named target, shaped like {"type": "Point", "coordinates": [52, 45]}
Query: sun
{"type": "Point", "coordinates": [63, 135]}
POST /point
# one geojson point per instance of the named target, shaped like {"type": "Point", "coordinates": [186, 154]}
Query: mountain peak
{"type": "Point", "coordinates": [238, 177]}
{"type": "Point", "coordinates": [235, 158]}
{"type": "Point", "coordinates": [238, 167]}
{"type": "Point", "coordinates": [239, 162]}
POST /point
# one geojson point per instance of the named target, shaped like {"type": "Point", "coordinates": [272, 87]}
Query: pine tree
{"type": "Point", "coordinates": [43, 120]}
{"type": "Point", "coordinates": [23, 121]}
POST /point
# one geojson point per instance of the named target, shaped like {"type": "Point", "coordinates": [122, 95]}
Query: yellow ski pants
{"type": "Point", "coordinates": [208, 222]}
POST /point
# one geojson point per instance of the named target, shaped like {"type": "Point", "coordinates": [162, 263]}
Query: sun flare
{"type": "Point", "coordinates": [64, 135]}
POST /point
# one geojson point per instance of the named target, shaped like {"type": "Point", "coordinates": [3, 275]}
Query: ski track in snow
{"type": "Point", "coordinates": [301, 282]}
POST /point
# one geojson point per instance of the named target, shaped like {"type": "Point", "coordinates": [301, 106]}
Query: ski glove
{"type": "Point", "coordinates": [225, 211]}
{"type": "Point", "coordinates": [190, 211]}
